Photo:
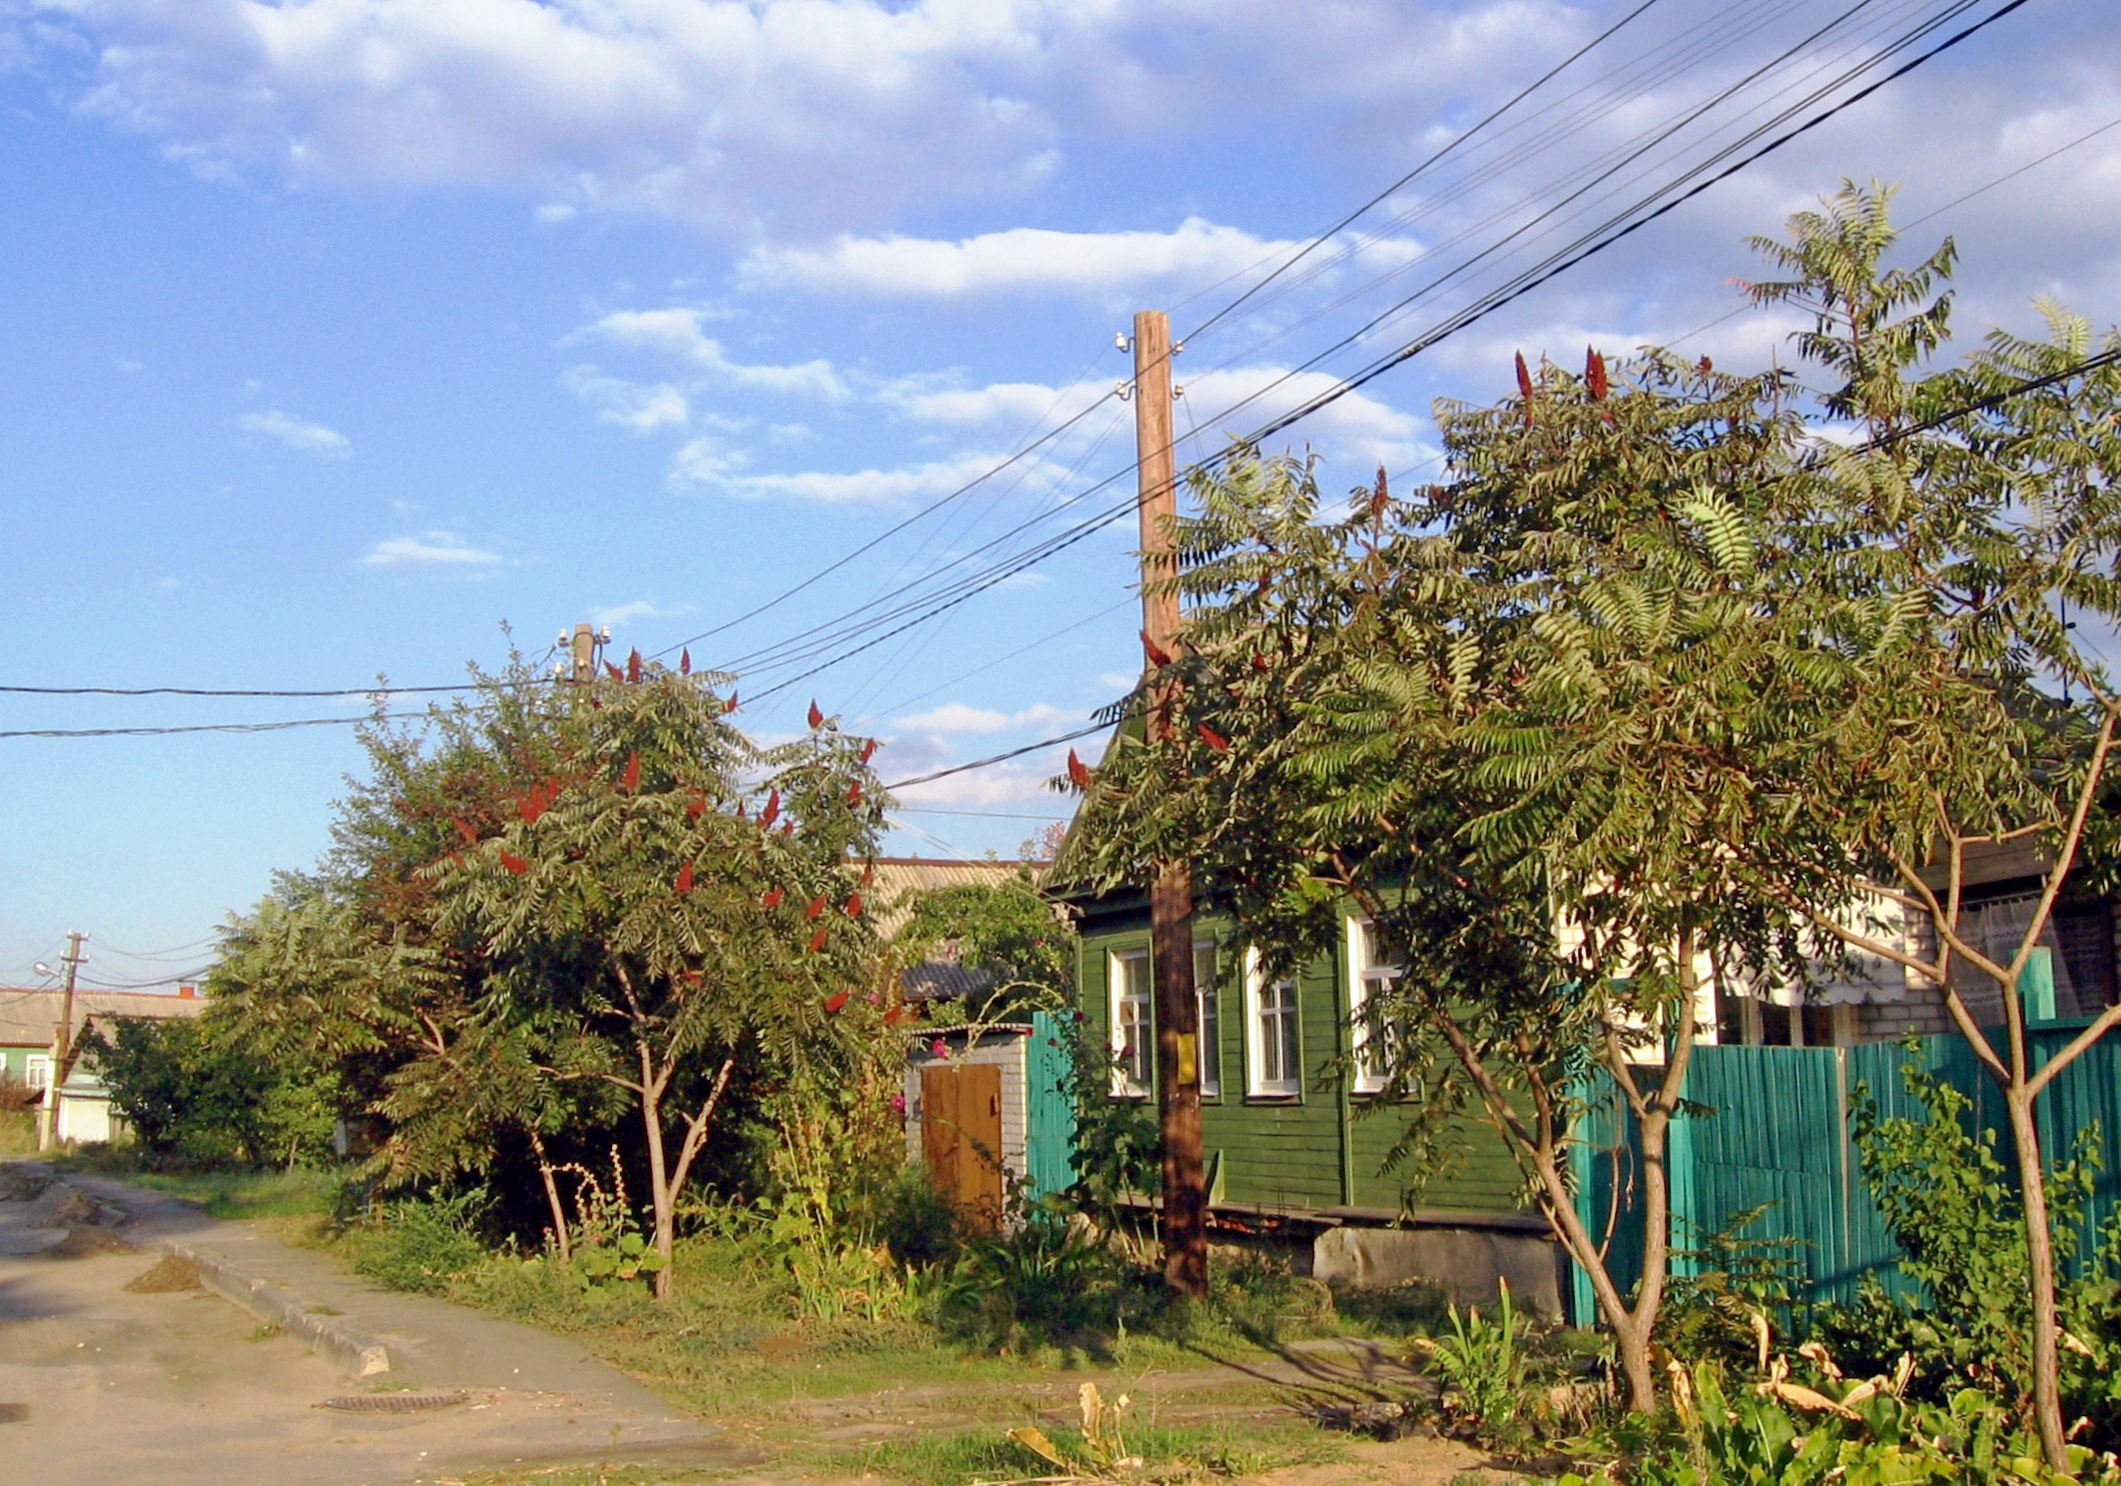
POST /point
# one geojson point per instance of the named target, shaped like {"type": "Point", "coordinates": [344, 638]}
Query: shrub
{"type": "Point", "coordinates": [1830, 1431]}
{"type": "Point", "coordinates": [919, 1225]}
{"type": "Point", "coordinates": [1047, 1280]}
{"type": "Point", "coordinates": [1952, 1208]}
{"type": "Point", "coordinates": [1732, 1279]}
{"type": "Point", "coordinates": [423, 1245]}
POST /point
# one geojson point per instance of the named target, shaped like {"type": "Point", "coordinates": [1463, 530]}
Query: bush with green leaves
{"type": "Point", "coordinates": [423, 1244]}
{"type": "Point", "coordinates": [1831, 1431]}
{"type": "Point", "coordinates": [1045, 1280]}
{"type": "Point", "coordinates": [1732, 1280]}
{"type": "Point", "coordinates": [1482, 1365]}
{"type": "Point", "coordinates": [1954, 1210]}
{"type": "Point", "coordinates": [201, 1091]}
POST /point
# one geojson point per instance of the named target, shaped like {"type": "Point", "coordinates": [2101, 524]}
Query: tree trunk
{"type": "Point", "coordinates": [562, 1243]}
{"type": "Point", "coordinates": [659, 1191]}
{"type": "Point", "coordinates": [1185, 1187]}
{"type": "Point", "coordinates": [2040, 1257]}
{"type": "Point", "coordinates": [1538, 1153]}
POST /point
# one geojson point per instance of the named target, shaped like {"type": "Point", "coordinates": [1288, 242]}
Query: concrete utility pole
{"type": "Point", "coordinates": [1185, 1191]}
{"type": "Point", "coordinates": [62, 1046]}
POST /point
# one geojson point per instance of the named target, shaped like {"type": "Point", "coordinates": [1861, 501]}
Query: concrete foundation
{"type": "Point", "coordinates": [1464, 1262]}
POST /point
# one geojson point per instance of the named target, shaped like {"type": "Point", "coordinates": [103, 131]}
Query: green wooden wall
{"type": "Point", "coordinates": [1324, 1148]}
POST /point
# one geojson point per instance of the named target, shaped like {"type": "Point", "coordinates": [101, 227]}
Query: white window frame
{"type": "Point", "coordinates": [37, 1071]}
{"type": "Point", "coordinates": [1367, 978]}
{"type": "Point", "coordinates": [1289, 1018]}
{"type": "Point", "coordinates": [1127, 985]}
{"type": "Point", "coordinates": [1208, 1019]}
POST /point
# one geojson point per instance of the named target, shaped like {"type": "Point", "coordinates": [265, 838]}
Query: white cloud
{"type": "Point", "coordinates": [430, 549]}
{"type": "Point", "coordinates": [879, 487]}
{"type": "Point", "coordinates": [748, 118]}
{"type": "Point", "coordinates": [621, 614]}
{"type": "Point", "coordinates": [675, 333]}
{"type": "Point", "coordinates": [944, 400]}
{"type": "Point", "coordinates": [706, 461]}
{"type": "Point", "coordinates": [1101, 266]}
{"type": "Point", "coordinates": [957, 717]}
{"type": "Point", "coordinates": [642, 408]}
{"type": "Point", "coordinates": [1357, 432]}
{"type": "Point", "coordinates": [297, 434]}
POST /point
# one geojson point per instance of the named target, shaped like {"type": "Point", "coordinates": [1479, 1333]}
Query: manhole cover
{"type": "Point", "coordinates": [391, 1403]}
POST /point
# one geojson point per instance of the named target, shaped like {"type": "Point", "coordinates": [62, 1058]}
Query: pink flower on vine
{"type": "Point", "coordinates": [898, 1104]}
{"type": "Point", "coordinates": [939, 1048]}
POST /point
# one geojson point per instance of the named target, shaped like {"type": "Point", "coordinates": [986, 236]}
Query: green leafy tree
{"type": "Point", "coordinates": [197, 1089]}
{"type": "Point", "coordinates": [1007, 929]}
{"type": "Point", "coordinates": [1468, 714]}
{"type": "Point", "coordinates": [1656, 691]}
{"type": "Point", "coordinates": [550, 908]}
{"type": "Point", "coordinates": [670, 901]}
{"type": "Point", "coordinates": [1954, 703]}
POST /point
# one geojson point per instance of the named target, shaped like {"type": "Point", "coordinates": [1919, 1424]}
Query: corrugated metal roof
{"type": "Point", "coordinates": [28, 1017]}
{"type": "Point", "coordinates": [941, 980]}
{"type": "Point", "coordinates": [900, 879]}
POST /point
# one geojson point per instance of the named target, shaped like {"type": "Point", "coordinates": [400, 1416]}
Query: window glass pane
{"type": "Point", "coordinates": [1131, 1027]}
{"type": "Point", "coordinates": [1209, 996]}
{"type": "Point", "coordinates": [1370, 979]}
{"type": "Point", "coordinates": [1271, 1046]}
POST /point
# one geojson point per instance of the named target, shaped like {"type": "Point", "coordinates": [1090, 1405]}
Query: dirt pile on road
{"type": "Point", "coordinates": [166, 1276]}
{"type": "Point", "coordinates": [22, 1183]}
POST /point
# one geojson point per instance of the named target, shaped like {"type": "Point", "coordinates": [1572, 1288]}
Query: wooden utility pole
{"type": "Point", "coordinates": [1185, 1189]}
{"type": "Point", "coordinates": [585, 654]}
{"type": "Point", "coordinates": [62, 1047]}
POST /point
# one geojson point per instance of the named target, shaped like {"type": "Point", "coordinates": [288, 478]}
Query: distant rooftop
{"type": "Point", "coordinates": [28, 1015]}
{"type": "Point", "coordinates": [900, 879]}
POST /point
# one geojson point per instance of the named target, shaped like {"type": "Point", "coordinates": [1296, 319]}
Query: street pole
{"type": "Point", "coordinates": [1185, 1194]}
{"type": "Point", "coordinates": [62, 1046]}
{"type": "Point", "coordinates": [584, 654]}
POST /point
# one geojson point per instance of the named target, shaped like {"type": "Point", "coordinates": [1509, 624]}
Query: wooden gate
{"type": "Point", "coordinates": [961, 1137]}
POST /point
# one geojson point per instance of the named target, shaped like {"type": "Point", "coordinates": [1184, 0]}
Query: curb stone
{"type": "Point", "coordinates": [360, 1354]}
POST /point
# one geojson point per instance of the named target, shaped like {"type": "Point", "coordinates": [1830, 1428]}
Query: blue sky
{"type": "Point", "coordinates": [335, 333]}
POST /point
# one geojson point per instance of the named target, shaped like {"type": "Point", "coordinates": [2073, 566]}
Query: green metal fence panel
{"type": "Point", "coordinates": [1605, 1162]}
{"type": "Point", "coordinates": [1049, 1123]}
{"type": "Point", "coordinates": [1774, 1129]}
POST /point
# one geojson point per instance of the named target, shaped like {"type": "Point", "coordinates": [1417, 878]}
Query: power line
{"type": "Point", "coordinates": [884, 536]}
{"type": "Point", "coordinates": [380, 689]}
{"type": "Point", "coordinates": [1221, 314]}
{"type": "Point", "coordinates": [207, 727]}
{"type": "Point", "coordinates": [1322, 238]}
{"type": "Point", "coordinates": [985, 814]}
{"type": "Point", "coordinates": [1555, 264]}
{"type": "Point", "coordinates": [2014, 174]}
{"type": "Point", "coordinates": [998, 758]}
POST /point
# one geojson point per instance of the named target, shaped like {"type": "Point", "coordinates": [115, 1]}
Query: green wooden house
{"type": "Point", "coordinates": [1296, 1129]}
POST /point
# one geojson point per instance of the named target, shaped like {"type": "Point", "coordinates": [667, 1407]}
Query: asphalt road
{"type": "Point", "coordinates": [101, 1384]}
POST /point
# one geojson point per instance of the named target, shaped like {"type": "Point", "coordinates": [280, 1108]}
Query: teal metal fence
{"type": "Point", "coordinates": [1049, 1114]}
{"type": "Point", "coordinates": [1772, 1127]}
